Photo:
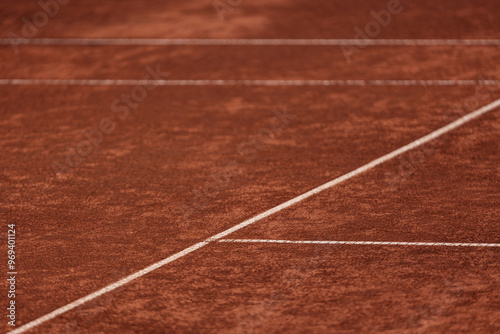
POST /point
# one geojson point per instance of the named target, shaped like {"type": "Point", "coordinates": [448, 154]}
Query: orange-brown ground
{"type": "Point", "coordinates": [124, 206]}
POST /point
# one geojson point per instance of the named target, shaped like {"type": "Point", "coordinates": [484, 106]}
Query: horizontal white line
{"type": "Point", "coordinates": [384, 243]}
{"type": "Point", "coordinates": [419, 142]}
{"type": "Point", "coordinates": [122, 82]}
{"type": "Point", "coordinates": [279, 41]}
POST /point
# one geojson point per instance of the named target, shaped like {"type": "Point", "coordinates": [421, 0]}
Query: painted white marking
{"type": "Point", "coordinates": [279, 41]}
{"type": "Point", "coordinates": [223, 234]}
{"type": "Point", "coordinates": [131, 82]}
{"type": "Point", "coordinates": [384, 243]}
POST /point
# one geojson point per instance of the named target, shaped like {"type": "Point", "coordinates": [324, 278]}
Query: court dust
{"type": "Point", "coordinates": [247, 151]}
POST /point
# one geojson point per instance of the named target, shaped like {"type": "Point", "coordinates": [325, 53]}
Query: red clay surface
{"type": "Point", "coordinates": [122, 208]}
{"type": "Point", "coordinates": [127, 204]}
{"type": "Point", "coordinates": [252, 62]}
{"type": "Point", "coordinates": [446, 191]}
{"type": "Point", "coordinates": [258, 19]}
{"type": "Point", "coordinates": [265, 288]}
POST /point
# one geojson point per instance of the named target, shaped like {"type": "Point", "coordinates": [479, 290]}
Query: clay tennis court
{"type": "Point", "coordinates": [251, 166]}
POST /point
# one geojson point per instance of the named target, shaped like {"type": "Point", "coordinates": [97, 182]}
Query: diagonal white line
{"type": "Point", "coordinates": [132, 82]}
{"type": "Point", "coordinates": [381, 243]}
{"type": "Point", "coordinates": [368, 166]}
{"type": "Point", "coordinates": [276, 41]}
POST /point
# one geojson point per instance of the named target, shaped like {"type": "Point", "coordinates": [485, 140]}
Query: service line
{"type": "Point", "coordinates": [276, 41]}
{"type": "Point", "coordinates": [378, 243]}
{"type": "Point", "coordinates": [132, 82]}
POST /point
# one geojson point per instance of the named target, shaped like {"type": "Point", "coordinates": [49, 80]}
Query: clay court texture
{"type": "Point", "coordinates": [250, 166]}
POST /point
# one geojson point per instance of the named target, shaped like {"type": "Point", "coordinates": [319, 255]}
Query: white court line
{"type": "Point", "coordinates": [121, 82]}
{"type": "Point", "coordinates": [419, 142]}
{"type": "Point", "coordinates": [384, 243]}
{"type": "Point", "coordinates": [279, 41]}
